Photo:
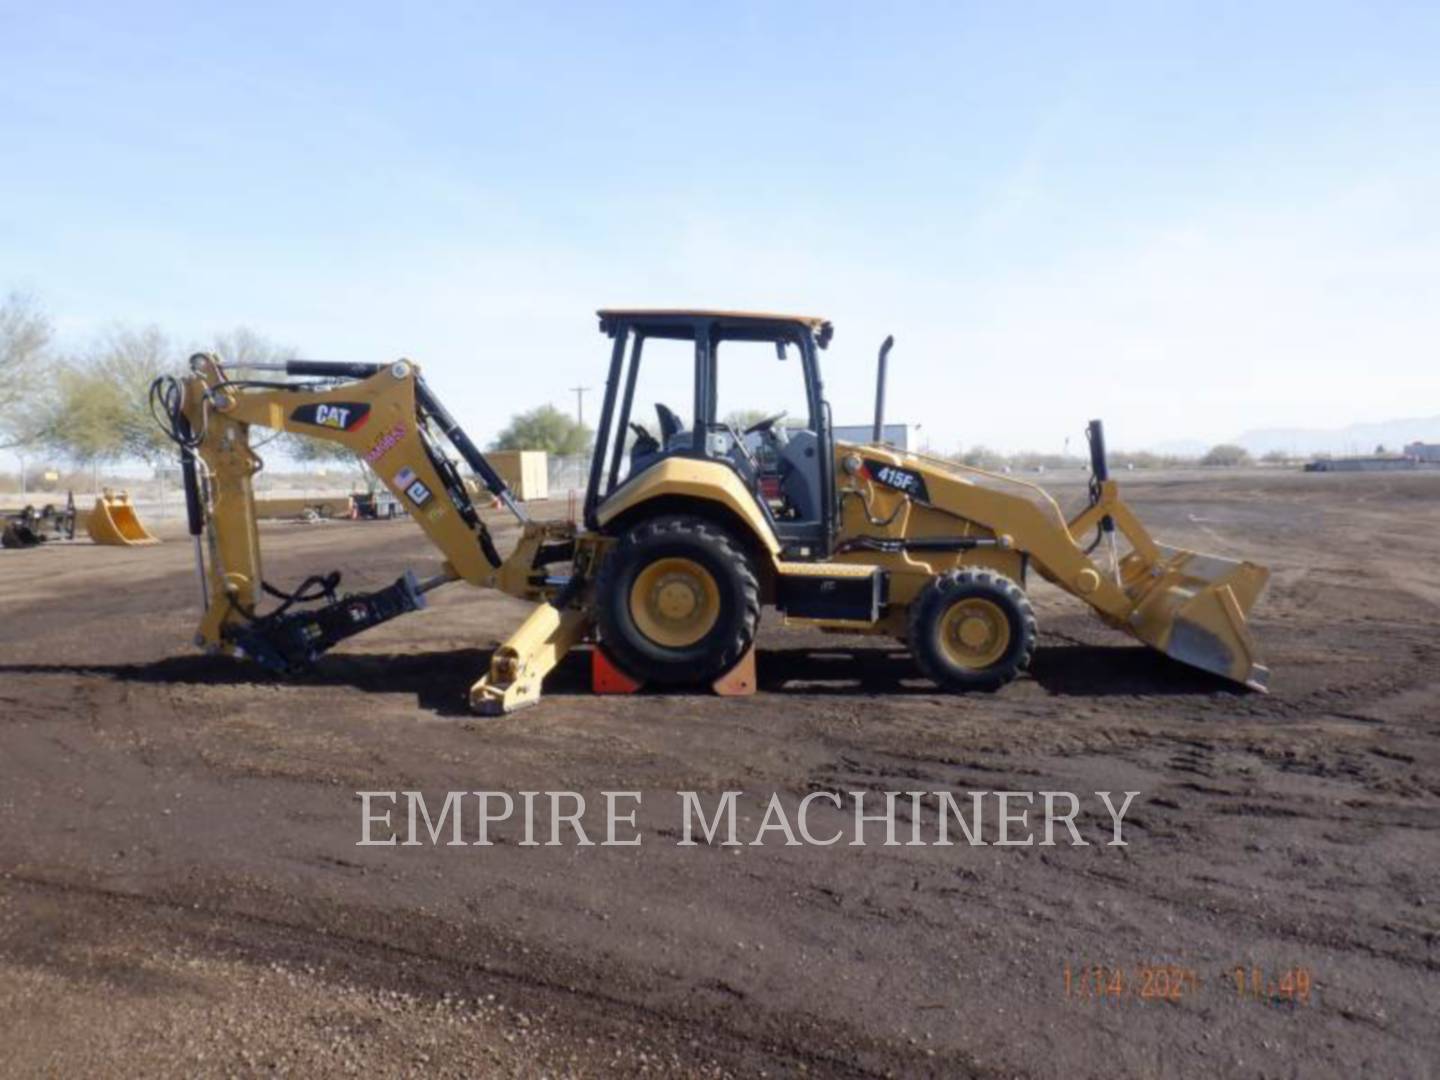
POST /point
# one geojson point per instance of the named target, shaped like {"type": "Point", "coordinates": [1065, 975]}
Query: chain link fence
{"type": "Point", "coordinates": [568, 475]}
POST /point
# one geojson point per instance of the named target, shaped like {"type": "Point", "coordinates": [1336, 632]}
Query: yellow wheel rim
{"type": "Point", "coordinates": [974, 633]}
{"type": "Point", "coordinates": [674, 602]}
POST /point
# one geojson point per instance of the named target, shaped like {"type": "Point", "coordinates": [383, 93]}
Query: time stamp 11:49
{"type": "Point", "coordinates": [1174, 983]}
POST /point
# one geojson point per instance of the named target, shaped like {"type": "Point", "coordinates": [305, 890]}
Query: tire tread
{"type": "Point", "coordinates": [608, 589]}
{"type": "Point", "coordinates": [931, 601]}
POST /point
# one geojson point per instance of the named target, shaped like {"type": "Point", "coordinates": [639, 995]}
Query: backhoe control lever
{"type": "Point", "coordinates": [290, 642]}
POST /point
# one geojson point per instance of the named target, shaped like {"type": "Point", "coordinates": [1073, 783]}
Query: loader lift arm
{"type": "Point", "coordinates": [1190, 606]}
{"type": "Point", "coordinates": [388, 417]}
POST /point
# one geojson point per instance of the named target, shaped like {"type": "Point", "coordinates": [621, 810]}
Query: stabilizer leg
{"type": "Point", "coordinates": [520, 665]}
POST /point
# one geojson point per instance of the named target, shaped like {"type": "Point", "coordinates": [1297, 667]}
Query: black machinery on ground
{"type": "Point", "coordinates": [30, 526]}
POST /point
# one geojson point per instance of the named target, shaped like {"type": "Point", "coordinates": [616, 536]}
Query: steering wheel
{"type": "Point", "coordinates": [767, 423]}
{"type": "Point", "coordinates": [737, 443]}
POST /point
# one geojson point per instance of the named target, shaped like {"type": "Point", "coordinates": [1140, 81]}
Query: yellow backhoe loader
{"type": "Point", "coordinates": [688, 531]}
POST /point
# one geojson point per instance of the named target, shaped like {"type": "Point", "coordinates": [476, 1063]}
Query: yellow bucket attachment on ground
{"type": "Point", "coordinates": [113, 521]}
{"type": "Point", "coordinates": [1195, 611]}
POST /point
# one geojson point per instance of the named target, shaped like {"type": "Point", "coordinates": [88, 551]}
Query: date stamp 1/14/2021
{"type": "Point", "coordinates": [1175, 983]}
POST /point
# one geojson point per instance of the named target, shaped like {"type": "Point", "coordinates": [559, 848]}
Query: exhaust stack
{"type": "Point", "coordinates": [878, 435]}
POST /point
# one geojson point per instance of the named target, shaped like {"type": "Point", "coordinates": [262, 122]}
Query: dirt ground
{"type": "Point", "coordinates": [181, 890]}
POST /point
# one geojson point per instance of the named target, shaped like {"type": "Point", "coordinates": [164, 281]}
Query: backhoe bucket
{"type": "Point", "coordinates": [1195, 612]}
{"type": "Point", "coordinates": [113, 521]}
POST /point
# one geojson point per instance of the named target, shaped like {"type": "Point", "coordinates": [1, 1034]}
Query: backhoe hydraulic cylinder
{"type": "Point", "coordinates": [194, 505]}
{"type": "Point", "coordinates": [468, 450]}
{"type": "Point", "coordinates": [331, 369]}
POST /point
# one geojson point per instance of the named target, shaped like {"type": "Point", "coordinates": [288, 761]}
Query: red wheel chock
{"type": "Point", "coordinates": [606, 678]}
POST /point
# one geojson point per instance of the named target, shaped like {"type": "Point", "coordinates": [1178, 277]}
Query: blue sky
{"type": "Point", "coordinates": [1191, 219]}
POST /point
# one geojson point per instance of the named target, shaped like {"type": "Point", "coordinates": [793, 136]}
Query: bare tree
{"type": "Point", "coordinates": [129, 360]}
{"type": "Point", "coordinates": [99, 409]}
{"type": "Point", "coordinates": [243, 345]}
{"type": "Point", "coordinates": [25, 338]}
{"type": "Point", "coordinates": [81, 419]}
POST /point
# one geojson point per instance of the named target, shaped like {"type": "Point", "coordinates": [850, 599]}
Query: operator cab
{"type": "Point", "coordinates": [727, 366]}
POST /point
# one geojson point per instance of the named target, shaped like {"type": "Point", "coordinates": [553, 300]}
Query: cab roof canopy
{"type": "Point", "coordinates": [682, 323]}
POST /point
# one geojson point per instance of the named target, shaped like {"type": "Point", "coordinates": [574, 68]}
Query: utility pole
{"type": "Point", "coordinates": [580, 392]}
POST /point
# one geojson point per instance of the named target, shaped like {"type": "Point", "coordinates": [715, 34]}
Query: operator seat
{"type": "Point", "coordinates": [800, 473]}
{"type": "Point", "coordinates": [670, 424]}
{"type": "Point", "coordinates": [644, 452]}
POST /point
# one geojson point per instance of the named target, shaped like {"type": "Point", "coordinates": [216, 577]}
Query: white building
{"type": "Point", "coordinates": [897, 435]}
{"type": "Point", "coordinates": [1424, 452]}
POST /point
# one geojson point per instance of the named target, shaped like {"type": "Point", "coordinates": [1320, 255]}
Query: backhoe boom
{"type": "Point", "coordinates": [385, 415]}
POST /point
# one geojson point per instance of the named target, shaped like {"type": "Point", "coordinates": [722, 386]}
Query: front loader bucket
{"type": "Point", "coordinates": [113, 521]}
{"type": "Point", "coordinates": [1195, 612]}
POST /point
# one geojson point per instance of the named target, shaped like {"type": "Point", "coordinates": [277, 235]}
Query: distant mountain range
{"type": "Point", "coordinates": [1394, 435]}
{"type": "Point", "coordinates": [1354, 439]}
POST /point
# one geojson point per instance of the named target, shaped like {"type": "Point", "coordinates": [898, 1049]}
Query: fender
{"type": "Point", "coordinates": [695, 478]}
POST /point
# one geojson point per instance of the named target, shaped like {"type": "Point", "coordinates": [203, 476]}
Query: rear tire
{"type": "Point", "coordinates": [678, 601]}
{"type": "Point", "coordinates": [972, 629]}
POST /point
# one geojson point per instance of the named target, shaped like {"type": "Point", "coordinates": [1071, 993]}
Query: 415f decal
{"type": "Point", "coordinates": [893, 476]}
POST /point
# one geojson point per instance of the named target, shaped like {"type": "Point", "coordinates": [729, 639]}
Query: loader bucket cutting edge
{"type": "Point", "coordinates": [114, 522]}
{"type": "Point", "coordinates": [1196, 613]}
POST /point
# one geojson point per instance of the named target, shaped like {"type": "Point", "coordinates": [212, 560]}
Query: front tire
{"type": "Point", "coordinates": [678, 601]}
{"type": "Point", "coordinates": [972, 629]}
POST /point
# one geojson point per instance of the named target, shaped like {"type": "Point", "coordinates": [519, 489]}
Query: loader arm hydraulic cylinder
{"type": "Point", "coordinates": [1099, 468]}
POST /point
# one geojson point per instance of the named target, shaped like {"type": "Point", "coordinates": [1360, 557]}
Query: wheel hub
{"type": "Point", "coordinates": [974, 633]}
{"type": "Point", "coordinates": [674, 602]}
{"type": "Point", "coordinates": [677, 597]}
